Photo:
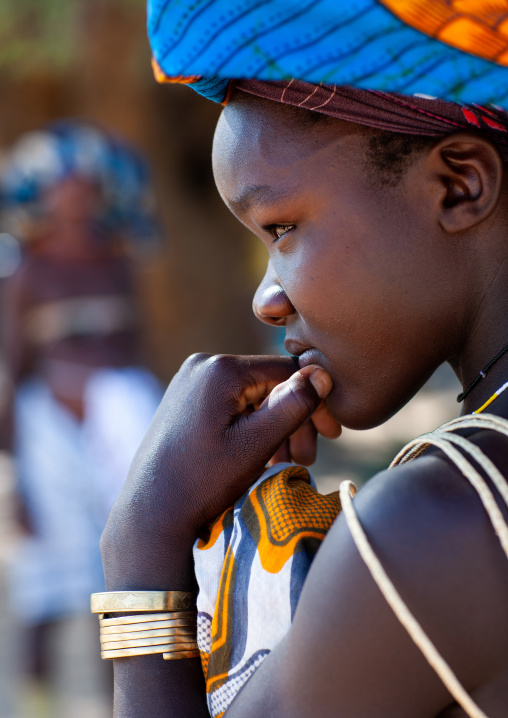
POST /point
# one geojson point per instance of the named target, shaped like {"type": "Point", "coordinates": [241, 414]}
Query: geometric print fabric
{"type": "Point", "coordinates": [251, 565]}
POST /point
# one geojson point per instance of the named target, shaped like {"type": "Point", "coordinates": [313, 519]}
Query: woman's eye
{"type": "Point", "coordinates": [279, 230]}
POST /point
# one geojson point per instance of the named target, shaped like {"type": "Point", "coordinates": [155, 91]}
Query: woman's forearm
{"type": "Point", "coordinates": [150, 685]}
{"type": "Point", "coordinates": [137, 558]}
{"type": "Point", "coordinates": [205, 447]}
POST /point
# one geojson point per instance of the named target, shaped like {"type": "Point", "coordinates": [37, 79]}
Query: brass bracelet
{"type": "Point", "coordinates": [171, 633]}
{"type": "Point", "coordinates": [150, 633]}
{"type": "Point", "coordinates": [190, 652]}
{"type": "Point", "coordinates": [177, 618]}
{"type": "Point", "coordinates": [120, 601]}
{"type": "Point", "coordinates": [182, 654]}
{"type": "Point", "coordinates": [127, 626]}
{"type": "Point", "coordinates": [148, 641]}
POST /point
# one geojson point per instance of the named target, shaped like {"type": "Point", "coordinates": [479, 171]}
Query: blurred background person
{"type": "Point", "coordinates": [90, 59]}
{"type": "Point", "coordinates": [81, 399]}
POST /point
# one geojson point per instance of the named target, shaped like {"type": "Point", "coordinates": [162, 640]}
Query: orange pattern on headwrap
{"type": "Point", "coordinates": [161, 77]}
{"type": "Point", "coordinates": [479, 27]}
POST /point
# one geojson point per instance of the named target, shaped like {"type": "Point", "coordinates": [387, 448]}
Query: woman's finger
{"type": "Point", "coordinates": [303, 444]}
{"type": "Point", "coordinates": [286, 409]}
{"type": "Point", "coordinates": [326, 424]}
{"type": "Point", "coordinates": [259, 377]}
{"type": "Point", "coordinates": [281, 455]}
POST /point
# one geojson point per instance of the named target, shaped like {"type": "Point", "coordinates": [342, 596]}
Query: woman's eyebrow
{"type": "Point", "coordinates": [258, 195]}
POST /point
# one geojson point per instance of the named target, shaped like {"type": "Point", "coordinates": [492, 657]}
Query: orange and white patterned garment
{"type": "Point", "coordinates": [251, 566]}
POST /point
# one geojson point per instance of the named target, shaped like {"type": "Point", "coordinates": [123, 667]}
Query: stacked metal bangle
{"type": "Point", "coordinates": [173, 634]}
{"type": "Point", "coordinates": [170, 632]}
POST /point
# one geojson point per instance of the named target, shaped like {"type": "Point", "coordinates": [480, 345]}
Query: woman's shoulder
{"type": "Point", "coordinates": [434, 539]}
{"type": "Point", "coordinates": [440, 478]}
{"type": "Point", "coordinates": [432, 507]}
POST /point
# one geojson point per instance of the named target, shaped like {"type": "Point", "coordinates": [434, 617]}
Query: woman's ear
{"type": "Point", "coordinates": [469, 171]}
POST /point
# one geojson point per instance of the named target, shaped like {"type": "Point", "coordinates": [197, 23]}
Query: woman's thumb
{"type": "Point", "coordinates": [290, 404]}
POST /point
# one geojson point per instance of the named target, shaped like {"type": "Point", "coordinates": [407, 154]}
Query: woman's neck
{"type": "Point", "coordinates": [493, 379]}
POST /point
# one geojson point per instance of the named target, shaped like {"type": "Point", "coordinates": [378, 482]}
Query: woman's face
{"type": "Point", "coordinates": [73, 200]}
{"type": "Point", "coordinates": [358, 273]}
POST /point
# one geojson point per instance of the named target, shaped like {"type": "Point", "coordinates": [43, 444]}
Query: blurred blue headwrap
{"type": "Point", "coordinates": [41, 159]}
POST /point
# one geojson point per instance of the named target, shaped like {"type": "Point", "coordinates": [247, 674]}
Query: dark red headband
{"type": "Point", "coordinates": [414, 115]}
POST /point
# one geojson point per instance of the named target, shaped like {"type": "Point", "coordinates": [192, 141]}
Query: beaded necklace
{"type": "Point", "coordinates": [494, 396]}
{"type": "Point", "coordinates": [482, 374]}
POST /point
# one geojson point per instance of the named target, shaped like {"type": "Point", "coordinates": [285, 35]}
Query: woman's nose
{"type": "Point", "coordinates": [271, 304]}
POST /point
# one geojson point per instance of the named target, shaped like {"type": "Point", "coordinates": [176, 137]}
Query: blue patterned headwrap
{"type": "Point", "coordinates": [451, 49]}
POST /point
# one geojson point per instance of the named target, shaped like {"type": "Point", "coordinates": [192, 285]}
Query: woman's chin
{"type": "Point", "coordinates": [360, 414]}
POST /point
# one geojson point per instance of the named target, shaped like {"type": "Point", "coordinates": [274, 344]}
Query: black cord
{"type": "Point", "coordinates": [482, 374]}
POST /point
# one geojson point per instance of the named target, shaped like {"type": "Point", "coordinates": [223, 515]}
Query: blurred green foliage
{"type": "Point", "coordinates": [38, 34]}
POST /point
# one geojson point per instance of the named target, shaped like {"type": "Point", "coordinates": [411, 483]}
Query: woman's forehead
{"type": "Point", "coordinates": [251, 171]}
{"type": "Point", "coordinates": [258, 143]}
{"type": "Point", "coordinates": [251, 130]}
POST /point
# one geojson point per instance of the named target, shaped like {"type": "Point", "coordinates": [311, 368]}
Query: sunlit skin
{"type": "Point", "coordinates": [376, 285]}
{"type": "Point", "coordinates": [362, 280]}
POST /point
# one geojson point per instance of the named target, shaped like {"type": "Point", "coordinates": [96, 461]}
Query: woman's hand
{"type": "Point", "coordinates": [301, 447]}
{"type": "Point", "coordinates": [221, 421]}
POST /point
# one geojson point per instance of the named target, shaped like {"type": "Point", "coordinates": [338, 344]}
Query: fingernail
{"type": "Point", "coordinates": [322, 382]}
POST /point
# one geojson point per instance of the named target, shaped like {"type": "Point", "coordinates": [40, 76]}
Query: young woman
{"type": "Point", "coordinates": [386, 257]}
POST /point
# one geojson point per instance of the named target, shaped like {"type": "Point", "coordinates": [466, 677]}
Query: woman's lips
{"type": "Point", "coordinates": [310, 356]}
{"type": "Point", "coordinates": [294, 347]}
{"type": "Point", "coordinates": [306, 354]}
